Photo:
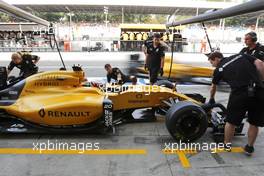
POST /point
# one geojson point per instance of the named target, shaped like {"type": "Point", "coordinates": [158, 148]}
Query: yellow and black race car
{"type": "Point", "coordinates": [60, 101]}
{"type": "Point", "coordinates": [181, 71]}
{"type": "Point", "coordinates": [173, 71]}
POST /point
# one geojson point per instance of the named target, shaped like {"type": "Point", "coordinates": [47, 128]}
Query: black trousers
{"type": "Point", "coordinates": [153, 75]}
{"type": "Point", "coordinates": [240, 103]}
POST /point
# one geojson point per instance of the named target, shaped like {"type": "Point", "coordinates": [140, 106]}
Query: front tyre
{"type": "Point", "coordinates": [186, 121]}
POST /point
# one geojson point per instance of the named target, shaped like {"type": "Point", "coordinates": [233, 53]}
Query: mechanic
{"type": "Point", "coordinates": [25, 62]}
{"type": "Point", "coordinates": [244, 74]}
{"type": "Point", "coordinates": [253, 47]}
{"type": "Point", "coordinates": [116, 74]}
{"type": "Point", "coordinates": [154, 58]}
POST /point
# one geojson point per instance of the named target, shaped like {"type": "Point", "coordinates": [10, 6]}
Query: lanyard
{"type": "Point", "coordinates": [229, 62]}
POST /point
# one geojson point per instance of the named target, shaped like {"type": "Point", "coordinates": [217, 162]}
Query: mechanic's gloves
{"type": "Point", "coordinates": [161, 72]}
{"type": "Point", "coordinates": [212, 101]}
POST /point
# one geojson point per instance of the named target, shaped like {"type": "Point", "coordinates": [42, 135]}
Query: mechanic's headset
{"type": "Point", "coordinates": [253, 35]}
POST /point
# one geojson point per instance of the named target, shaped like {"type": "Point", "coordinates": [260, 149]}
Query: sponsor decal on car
{"type": "Point", "coordinates": [46, 84]}
{"type": "Point", "coordinates": [11, 92]}
{"type": "Point", "coordinates": [63, 114]}
{"type": "Point", "coordinates": [139, 96]}
{"type": "Point", "coordinates": [138, 101]}
{"type": "Point", "coordinates": [49, 80]}
{"type": "Point", "coordinates": [108, 113]}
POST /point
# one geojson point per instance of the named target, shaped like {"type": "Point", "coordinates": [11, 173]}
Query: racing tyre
{"type": "Point", "coordinates": [165, 83]}
{"type": "Point", "coordinates": [186, 121]}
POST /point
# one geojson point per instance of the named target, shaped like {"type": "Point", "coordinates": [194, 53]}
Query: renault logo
{"type": "Point", "coordinates": [139, 96]}
{"type": "Point", "coordinates": [42, 113]}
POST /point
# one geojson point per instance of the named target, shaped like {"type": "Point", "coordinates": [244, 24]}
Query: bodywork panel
{"type": "Point", "coordinates": [60, 99]}
{"type": "Point", "coordinates": [57, 98]}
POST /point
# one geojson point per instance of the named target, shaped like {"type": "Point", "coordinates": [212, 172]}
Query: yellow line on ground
{"type": "Point", "coordinates": [184, 160]}
{"type": "Point", "coordinates": [233, 150]}
{"type": "Point", "coordinates": [29, 151]}
{"type": "Point", "coordinates": [182, 157]}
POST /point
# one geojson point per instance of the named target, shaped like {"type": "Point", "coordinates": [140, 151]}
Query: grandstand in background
{"type": "Point", "coordinates": [110, 37]}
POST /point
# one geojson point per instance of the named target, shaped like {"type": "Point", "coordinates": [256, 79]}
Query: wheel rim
{"type": "Point", "coordinates": [189, 124]}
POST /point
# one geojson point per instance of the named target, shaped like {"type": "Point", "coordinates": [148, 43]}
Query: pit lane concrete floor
{"type": "Point", "coordinates": [150, 137]}
{"type": "Point", "coordinates": [93, 63]}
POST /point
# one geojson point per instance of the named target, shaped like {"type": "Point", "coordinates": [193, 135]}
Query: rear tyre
{"type": "Point", "coordinates": [186, 121]}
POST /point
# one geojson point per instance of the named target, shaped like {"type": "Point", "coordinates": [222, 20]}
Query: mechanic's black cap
{"type": "Point", "coordinates": [213, 55]}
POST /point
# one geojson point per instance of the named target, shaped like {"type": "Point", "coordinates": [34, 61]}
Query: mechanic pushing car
{"type": "Point", "coordinates": [253, 47]}
{"type": "Point", "coordinates": [25, 62]}
{"type": "Point", "coordinates": [116, 74]}
{"type": "Point", "coordinates": [154, 58]}
{"type": "Point", "coordinates": [244, 74]}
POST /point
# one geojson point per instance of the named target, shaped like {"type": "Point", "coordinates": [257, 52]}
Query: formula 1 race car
{"type": "Point", "coordinates": [183, 72]}
{"type": "Point", "coordinates": [174, 71]}
{"type": "Point", "coordinates": [60, 102]}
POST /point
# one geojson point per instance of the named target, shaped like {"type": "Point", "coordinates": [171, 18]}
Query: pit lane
{"type": "Point", "coordinates": [150, 137]}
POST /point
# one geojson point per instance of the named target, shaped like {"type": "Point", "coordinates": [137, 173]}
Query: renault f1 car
{"type": "Point", "coordinates": [60, 101]}
{"type": "Point", "coordinates": [183, 71]}
{"type": "Point", "coordinates": [174, 71]}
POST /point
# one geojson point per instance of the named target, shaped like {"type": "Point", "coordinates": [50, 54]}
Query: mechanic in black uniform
{"type": "Point", "coordinates": [253, 47]}
{"type": "Point", "coordinates": [25, 62]}
{"type": "Point", "coordinates": [244, 74]}
{"type": "Point", "coordinates": [116, 74]}
{"type": "Point", "coordinates": [154, 60]}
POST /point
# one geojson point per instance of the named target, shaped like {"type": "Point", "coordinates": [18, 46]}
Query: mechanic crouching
{"type": "Point", "coordinates": [116, 74]}
{"type": "Point", "coordinates": [244, 74]}
{"type": "Point", "coordinates": [25, 62]}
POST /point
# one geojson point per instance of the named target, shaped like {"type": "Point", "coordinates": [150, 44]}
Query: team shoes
{"type": "Point", "coordinates": [248, 150]}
